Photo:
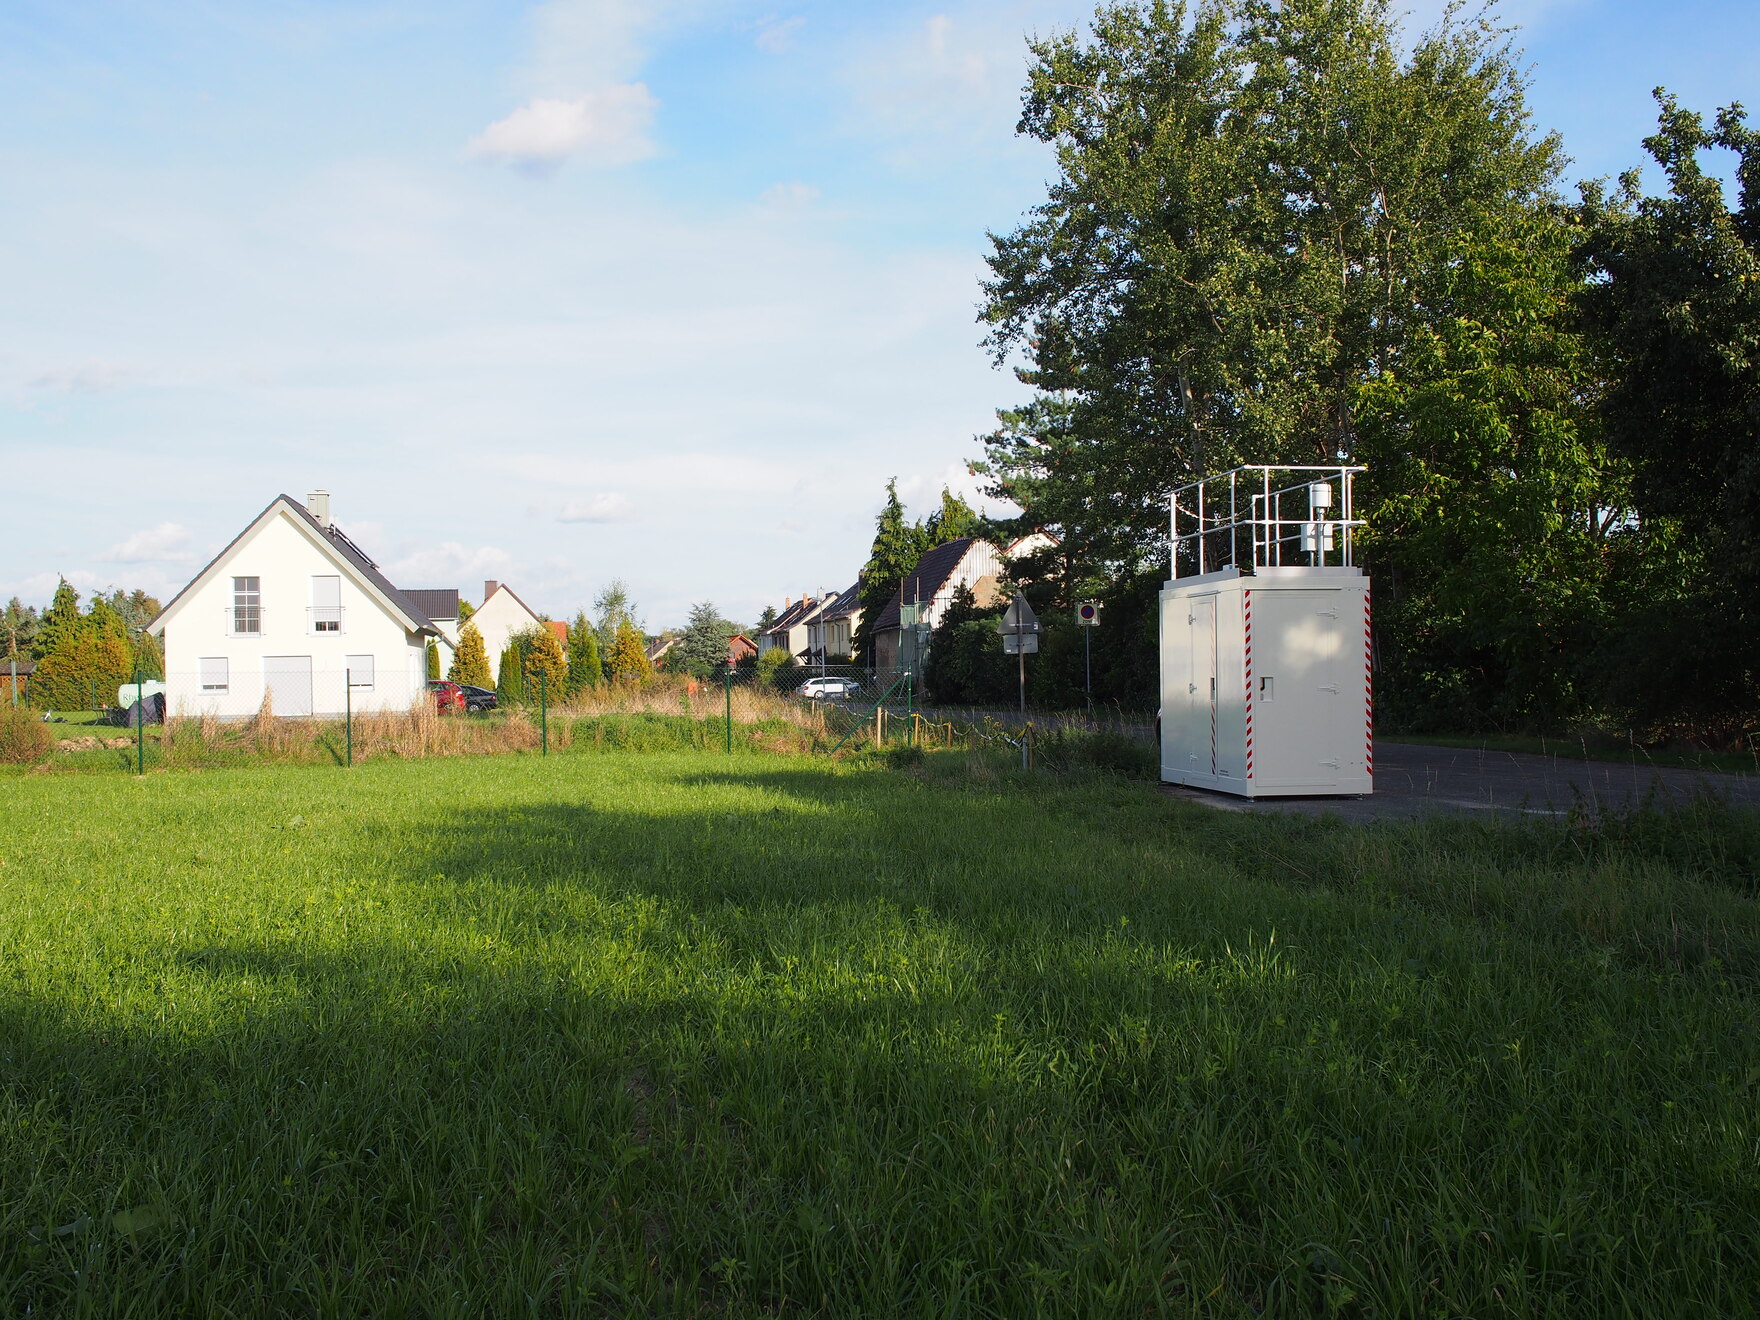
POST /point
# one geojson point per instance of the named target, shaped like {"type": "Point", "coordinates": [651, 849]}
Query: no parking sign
{"type": "Point", "coordinates": [1088, 614]}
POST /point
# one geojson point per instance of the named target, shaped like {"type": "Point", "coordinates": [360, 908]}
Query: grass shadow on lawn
{"type": "Point", "coordinates": [795, 1040]}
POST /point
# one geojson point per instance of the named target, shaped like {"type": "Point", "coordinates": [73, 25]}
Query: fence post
{"type": "Point", "coordinates": [140, 724]}
{"type": "Point", "coordinates": [348, 711]}
{"type": "Point", "coordinates": [543, 715]}
{"type": "Point", "coordinates": [728, 685]}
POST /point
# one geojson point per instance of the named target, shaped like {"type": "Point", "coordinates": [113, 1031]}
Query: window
{"type": "Point", "coordinates": [247, 605]}
{"type": "Point", "coordinates": [326, 604]}
{"type": "Point", "coordinates": [360, 671]}
{"type": "Point", "coordinates": [216, 673]}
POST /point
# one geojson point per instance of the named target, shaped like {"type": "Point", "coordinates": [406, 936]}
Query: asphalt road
{"type": "Point", "coordinates": [1413, 780]}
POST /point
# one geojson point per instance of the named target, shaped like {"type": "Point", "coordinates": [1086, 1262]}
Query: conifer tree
{"type": "Point", "coordinates": [628, 660]}
{"type": "Point", "coordinates": [546, 669]}
{"type": "Point", "coordinates": [433, 656]}
{"type": "Point", "coordinates": [470, 661]}
{"type": "Point", "coordinates": [583, 656]}
{"type": "Point", "coordinates": [897, 547]}
{"type": "Point", "coordinates": [510, 685]}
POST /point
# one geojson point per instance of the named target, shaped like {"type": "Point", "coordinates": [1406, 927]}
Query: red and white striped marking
{"type": "Point", "coordinates": [1368, 689]}
{"type": "Point", "coordinates": [1247, 616]}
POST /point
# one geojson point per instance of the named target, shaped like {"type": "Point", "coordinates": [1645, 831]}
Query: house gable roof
{"type": "Point", "coordinates": [796, 613]}
{"type": "Point", "coordinates": [926, 579]}
{"type": "Point", "coordinates": [844, 604]}
{"type": "Point", "coordinates": [435, 603]}
{"type": "Point", "coordinates": [513, 596]}
{"type": "Point", "coordinates": [330, 540]}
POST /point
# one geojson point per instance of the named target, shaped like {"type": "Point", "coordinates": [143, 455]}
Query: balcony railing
{"type": "Point", "coordinates": [244, 620]}
{"type": "Point", "coordinates": [324, 618]}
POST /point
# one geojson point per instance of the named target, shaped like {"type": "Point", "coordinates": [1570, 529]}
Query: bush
{"type": "Point", "coordinates": [24, 738]}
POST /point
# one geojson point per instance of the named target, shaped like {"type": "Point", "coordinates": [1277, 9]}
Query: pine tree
{"type": "Point", "coordinates": [583, 656]}
{"type": "Point", "coordinates": [546, 668]}
{"type": "Point", "coordinates": [897, 547]}
{"type": "Point", "coordinates": [510, 686]}
{"type": "Point", "coordinates": [470, 661]}
{"type": "Point", "coordinates": [703, 647]}
{"type": "Point", "coordinates": [149, 656]}
{"type": "Point", "coordinates": [628, 658]}
{"type": "Point", "coordinates": [79, 658]}
{"type": "Point", "coordinates": [433, 654]}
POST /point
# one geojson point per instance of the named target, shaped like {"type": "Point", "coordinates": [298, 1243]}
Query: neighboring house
{"type": "Point", "coordinates": [657, 647]}
{"type": "Point", "coordinates": [741, 648]}
{"type": "Point", "coordinates": [295, 611]}
{"type": "Point", "coordinates": [831, 630]}
{"type": "Point", "coordinates": [441, 607]}
{"type": "Point", "coordinates": [901, 628]}
{"type": "Point", "coordinates": [558, 630]}
{"type": "Point", "coordinates": [789, 631]}
{"type": "Point", "coordinates": [499, 617]}
{"type": "Point", "coordinates": [25, 669]}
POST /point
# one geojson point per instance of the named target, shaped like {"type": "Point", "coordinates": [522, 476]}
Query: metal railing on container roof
{"type": "Point", "coordinates": [1241, 519]}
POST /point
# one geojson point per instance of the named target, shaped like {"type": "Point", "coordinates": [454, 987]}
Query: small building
{"type": "Point", "coordinates": [441, 607]}
{"type": "Point", "coordinates": [831, 631]}
{"type": "Point", "coordinates": [741, 648]}
{"type": "Point", "coordinates": [789, 630]}
{"type": "Point", "coordinates": [293, 611]}
{"type": "Point", "coordinates": [21, 693]}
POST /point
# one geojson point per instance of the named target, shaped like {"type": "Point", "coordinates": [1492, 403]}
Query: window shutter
{"type": "Point", "coordinates": [215, 673]}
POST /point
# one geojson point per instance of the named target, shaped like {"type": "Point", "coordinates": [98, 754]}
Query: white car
{"type": "Point", "coordinates": [819, 688]}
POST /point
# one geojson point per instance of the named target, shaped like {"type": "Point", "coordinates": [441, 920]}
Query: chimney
{"type": "Point", "coordinates": [318, 505]}
{"type": "Point", "coordinates": [788, 602]}
{"type": "Point", "coordinates": [489, 587]}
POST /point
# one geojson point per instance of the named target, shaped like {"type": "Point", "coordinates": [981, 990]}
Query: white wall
{"type": "Point", "coordinates": [282, 552]}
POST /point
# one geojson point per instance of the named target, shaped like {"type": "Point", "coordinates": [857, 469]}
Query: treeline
{"type": "Point", "coordinates": [1284, 231]}
{"type": "Point", "coordinates": [81, 657]}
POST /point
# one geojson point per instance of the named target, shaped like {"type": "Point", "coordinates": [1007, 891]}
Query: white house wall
{"type": "Point", "coordinates": [281, 554]}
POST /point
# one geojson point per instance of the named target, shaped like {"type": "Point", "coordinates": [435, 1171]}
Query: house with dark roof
{"type": "Point", "coordinates": [902, 627]}
{"type": "Point", "coordinates": [831, 629]}
{"type": "Point", "coordinates": [295, 618]}
{"type": "Point", "coordinates": [789, 630]}
{"type": "Point", "coordinates": [441, 607]}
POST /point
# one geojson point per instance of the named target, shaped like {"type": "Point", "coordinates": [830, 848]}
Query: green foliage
{"type": "Point", "coordinates": [465, 610]}
{"type": "Point", "coordinates": [543, 663]}
{"type": "Point", "coordinates": [612, 609]}
{"type": "Point", "coordinates": [18, 630]}
{"type": "Point", "coordinates": [431, 655]}
{"type": "Point", "coordinates": [627, 660]}
{"type": "Point", "coordinates": [1675, 304]}
{"type": "Point", "coordinates": [966, 666]}
{"type": "Point", "coordinates": [1033, 1037]}
{"type": "Point", "coordinates": [148, 658]}
{"type": "Point", "coordinates": [583, 656]}
{"type": "Point", "coordinates": [898, 545]}
{"type": "Point", "coordinates": [779, 670]}
{"type": "Point", "coordinates": [510, 677]}
{"type": "Point", "coordinates": [24, 738]}
{"type": "Point", "coordinates": [83, 658]}
{"type": "Point", "coordinates": [470, 661]}
{"type": "Point", "coordinates": [702, 650]}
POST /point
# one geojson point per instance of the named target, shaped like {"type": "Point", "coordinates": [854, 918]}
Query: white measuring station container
{"type": "Point", "coordinates": [1266, 685]}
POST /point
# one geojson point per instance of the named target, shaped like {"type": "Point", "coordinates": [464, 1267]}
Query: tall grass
{"type": "Point", "coordinates": [676, 1034]}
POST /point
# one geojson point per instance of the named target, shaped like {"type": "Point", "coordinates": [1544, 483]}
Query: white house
{"type": "Point", "coordinates": [901, 629]}
{"type": "Point", "coordinates": [499, 617]}
{"type": "Point", "coordinates": [294, 610]}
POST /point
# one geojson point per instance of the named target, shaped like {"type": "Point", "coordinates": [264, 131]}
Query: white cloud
{"type": "Point", "coordinates": [607, 126]}
{"type": "Point", "coordinates": [451, 564]}
{"type": "Point", "coordinates": [166, 543]}
{"type": "Point", "coordinates": [776, 35]}
{"type": "Point", "coordinates": [921, 492]}
{"type": "Point", "coordinates": [609, 507]}
{"type": "Point", "coordinates": [84, 378]}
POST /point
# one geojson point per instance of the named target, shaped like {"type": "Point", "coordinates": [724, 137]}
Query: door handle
{"type": "Point", "coordinates": [1329, 687]}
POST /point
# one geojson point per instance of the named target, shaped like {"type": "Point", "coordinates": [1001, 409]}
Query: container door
{"type": "Point", "coordinates": [288, 679]}
{"type": "Point", "coordinates": [1203, 686]}
{"type": "Point", "coordinates": [1303, 707]}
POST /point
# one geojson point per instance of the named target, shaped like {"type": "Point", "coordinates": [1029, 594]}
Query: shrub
{"type": "Point", "coordinates": [24, 738]}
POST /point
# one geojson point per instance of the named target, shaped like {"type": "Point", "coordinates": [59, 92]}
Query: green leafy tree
{"type": "Point", "coordinates": [544, 663]}
{"type": "Point", "coordinates": [18, 629]}
{"type": "Point", "coordinates": [85, 658]}
{"type": "Point", "coordinates": [778, 669]}
{"type": "Point", "coordinates": [465, 611]}
{"type": "Point", "coordinates": [470, 659]}
{"type": "Point", "coordinates": [613, 608]}
{"type": "Point", "coordinates": [702, 649]}
{"type": "Point", "coordinates": [148, 658]}
{"type": "Point", "coordinates": [627, 660]}
{"type": "Point", "coordinates": [1675, 307]}
{"type": "Point", "coordinates": [583, 656]}
{"type": "Point", "coordinates": [966, 666]}
{"type": "Point", "coordinates": [954, 519]}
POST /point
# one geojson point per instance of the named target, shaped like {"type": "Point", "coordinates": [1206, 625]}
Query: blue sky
{"type": "Point", "coordinates": [662, 290]}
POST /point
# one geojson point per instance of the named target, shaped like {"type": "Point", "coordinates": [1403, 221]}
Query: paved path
{"type": "Point", "coordinates": [1414, 780]}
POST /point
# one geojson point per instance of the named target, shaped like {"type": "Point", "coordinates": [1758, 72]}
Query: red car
{"type": "Point", "coordinates": [447, 694]}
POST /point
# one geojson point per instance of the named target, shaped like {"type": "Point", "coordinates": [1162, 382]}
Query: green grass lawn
{"type": "Point", "coordinates": [691, 1034]}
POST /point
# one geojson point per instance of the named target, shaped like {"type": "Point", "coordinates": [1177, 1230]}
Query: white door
{"type": "Point", "coordinates": [288, 681]}
{"type": "Point", "coordinates": [1301, 728]}
{"type": "Point", "coordinates": [1202, 723]}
